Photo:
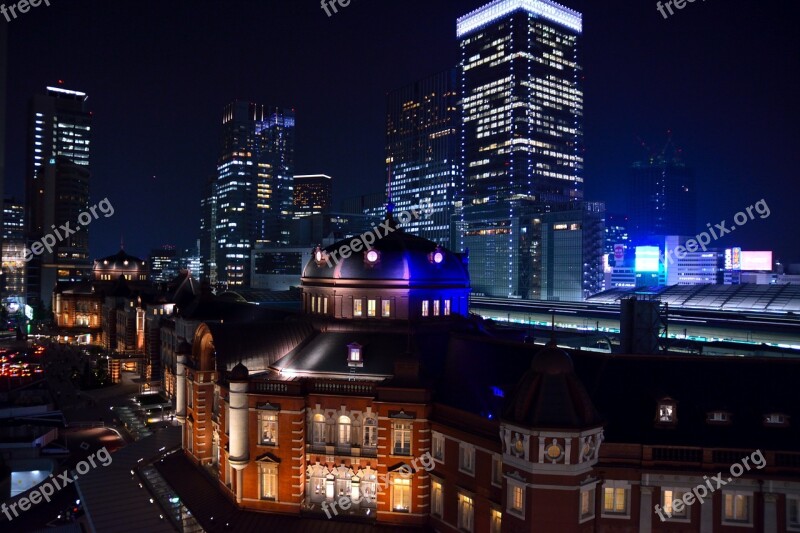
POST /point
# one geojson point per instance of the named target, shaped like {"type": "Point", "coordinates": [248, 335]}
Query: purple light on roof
{"type": "Point", "coordinates": [438, 257]}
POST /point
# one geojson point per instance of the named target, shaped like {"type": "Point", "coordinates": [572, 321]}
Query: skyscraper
{"type": "Point", "coordinates": [3, 73]}
{"type": "Point", "coordinates": [422, 139]}
{"type": "Point", "coordinates": [57, 188]}
{"type": "Point", "coordinates": [522, 109]}
{"type": "Point", "coordinates": [313, 194]}
{"type": "Point", "coordinates": [251, 198]}
{"type": "Point", "coordinates": [663, 199]}
{"type": "Point", "coordinates": [162, 263]}
{"type": "Point", "coordinates": [13, 247]}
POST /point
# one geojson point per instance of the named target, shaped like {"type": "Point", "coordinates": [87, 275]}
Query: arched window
{"type": "Point", "coordinates": [318, 430]}
{"type": "Point", "coordinates": [344, 431]}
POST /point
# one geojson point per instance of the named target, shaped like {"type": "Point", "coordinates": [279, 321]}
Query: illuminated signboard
{"type": "Point", "coordinates": [756, 261]}
{"type": "Point", "coordinates": [733, 259]}
{"type": "Point", "coordinates": [647, 258]}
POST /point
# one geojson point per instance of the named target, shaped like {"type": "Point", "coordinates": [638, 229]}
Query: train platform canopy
{"type": "Point", "coordinates": [735, 298]}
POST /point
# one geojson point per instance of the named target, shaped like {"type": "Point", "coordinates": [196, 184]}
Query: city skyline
{"type": "Point", "coordinates": [340, 128]}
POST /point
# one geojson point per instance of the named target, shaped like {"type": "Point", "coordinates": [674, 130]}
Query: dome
{"type": "Point", "coordinates": [398, 256]}
{"type": "Point", "coordinates": [552, 360]}
{"type": "Point", "coordinates": [119, 261]}
{"type": "Point", "coordinates": [239, 373]}
{"type": "Point", "coordinates": [550, 395]}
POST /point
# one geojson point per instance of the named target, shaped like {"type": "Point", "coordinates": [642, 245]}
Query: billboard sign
{"type": "Point", "coordinates": [757, 261]}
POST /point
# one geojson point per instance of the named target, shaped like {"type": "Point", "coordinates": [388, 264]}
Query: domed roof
{"type": "Point", "coordinates": [239, 373]}
{"type": "Point", "coordinates": [552, 360]}
{"type": "Point", "coordinates": [398, 256]}
{"type": "Point", "coordinates": [550, 395]}
{"type": "Point", "coordinates": [119, 261]}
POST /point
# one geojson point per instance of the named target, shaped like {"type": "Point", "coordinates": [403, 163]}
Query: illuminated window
{"type": "Point", "coordinates": [401, 494]}
{"type": "Point", "coordinates": [425, 307]}
{"type": "Point", "coordinates": [386, 308]}
{"type": "Point", "coordinates": [354, 356]}
{"type": "Point", "coordinates": [587, 504]}
{"type": "Point", "coordinates": [344, 431]}
{"type": "Point", "coordinates": [318, 430]}
{"type": "Point", "coordinates": [358, 306]}
{"type": "Point", "coordinates": [370, 433]}
{"type": "Point", "coordinates": [269, 482]}
{"type": "Point", "coordinates": [437, 499]}
{"type": "Point", "coordinates": [402, 438]}
{"type": "Point", "coordinates": [668, 496]}
{"type": "Point", "coordinates": [313, 304]}
{"type": "Point", "coordinates": [190, 436]}
{"type": "Point", "coordinates": [615, 499]}
{"type": "Point", "coordinates": [775, 419]}
{"type": "Point", "coordinates": [496, 521]}
{"type": "Point", "coordinates": [447, 308]}
{"type": "Point", "coordinates": [436, 308]}
{"type": "Point", "coordinates": [372, 307]}
{"type": "Point", "coordinates": [516, 498]}
{"type": "Point", "coordinates": [325, 306]}
{"type": "Point", "coordinates": [268, 429]}
{"type": "Point", "coordinates": [466, 458]}
{"type": "Point", "coordinates": [666, 411]}
{"type": "Point", "coordinates": [737, 507]}
{"type": "Point", "coordinates": [466, 511]}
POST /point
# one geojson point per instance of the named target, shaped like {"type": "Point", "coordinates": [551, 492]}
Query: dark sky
{"type": "Point", "coordinates": [721, 75]}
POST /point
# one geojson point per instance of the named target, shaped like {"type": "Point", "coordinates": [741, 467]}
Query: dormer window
{"type": "Point", "coordinates": [667, 412]}
{"type": "Point", "coordinates": [776, 420]}
{"type": "Point", "coordinates": [355, 355]}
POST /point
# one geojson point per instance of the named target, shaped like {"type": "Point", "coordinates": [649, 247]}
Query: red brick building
{"type": "Point", "coordinates": [385, 402]}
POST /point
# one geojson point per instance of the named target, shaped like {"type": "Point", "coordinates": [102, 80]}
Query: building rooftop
{"type": "Point", "coordinates": [737, 298]}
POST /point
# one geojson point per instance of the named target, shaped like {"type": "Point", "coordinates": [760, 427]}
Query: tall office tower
{"type": "Point", "coordinates": [207, 243]}
{"type": "Point", "coordinates": [422, 153]}
{"type": "Point", "coordinates": [251, 199]}
{"type": "Point", "coordinates": [572, 250]}
{"type": "Point", "coordinates": [663, 200]}
{"type": "Point", "coordinates": [57, 189]}
{"type": "Point", "coordinates": [162, 263]}
{"type": "Point", "coordinates": [313, 194]}
{"type": "Point", "coordinates": [13, 247]}
{"type": "Point", "coordinates": [522, 113]}
{"type": "Point", "coordinates": [3, 74]}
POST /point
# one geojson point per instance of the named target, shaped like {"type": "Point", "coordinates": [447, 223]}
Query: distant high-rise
{"type": "Point", "coordinates": [3, 74]}
{"type": "Point", "coordinates": [663, 199]}
{"type": "Point", "coordinates": [13, 247]}
{"type": "Point", "coordinates": [617, 228]}
{"type": "Point", "coordinates": [162, 261]}
{"type": "Point", "coordinates": [313, 194]}
{"type": "Point", "coordinates": [422, 151]}
{"type": "Point", "coordinates": [57, 188]}
{"type": "Point", "coordinates": [522, 137]}
{"type": "Point", "coordinates": [572, 249]}
{"type": "Point", "coordinates": [251, 198]}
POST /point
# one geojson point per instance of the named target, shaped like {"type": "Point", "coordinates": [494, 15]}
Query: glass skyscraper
{"type": "Point", "coordinates": [522, 138]}
{"type": "Point", "coordinates": [250, 200]}
{"type": "Point", "coordinates": [422, 139]}
{"type": "Point", "coordinates": [57, 188]}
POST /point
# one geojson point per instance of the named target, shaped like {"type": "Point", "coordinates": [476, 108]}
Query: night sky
{"type": "Point", "coordinates": [721, 75]}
